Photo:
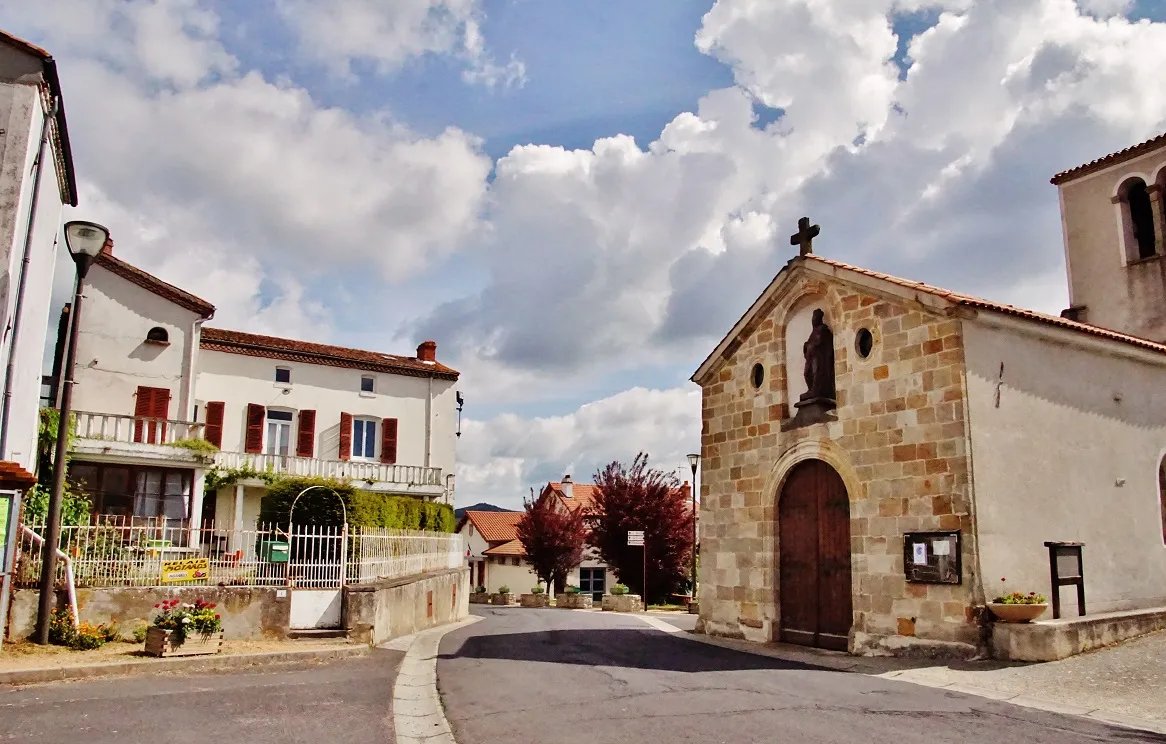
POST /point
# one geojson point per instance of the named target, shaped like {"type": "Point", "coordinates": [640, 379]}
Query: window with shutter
{"type": "Point", "coordinates": [214, 422]}
{"type": "Point", "coordinates": [253, 442]}
{"type": "Point", "coordinates": [306, 437]}
{"type": "Point", "coordinates": [151, 403]}
{"type": "Point", "coordinates": [389, 441]}
{"type": "Point", "coordinates": [345, 436]}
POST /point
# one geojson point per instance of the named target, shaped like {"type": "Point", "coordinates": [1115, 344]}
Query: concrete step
{"type": "Point", "coordinates": [316, 634]}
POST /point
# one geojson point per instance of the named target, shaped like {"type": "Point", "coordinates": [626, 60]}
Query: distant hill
{"type": "Point", "coordinates": [459, 513]}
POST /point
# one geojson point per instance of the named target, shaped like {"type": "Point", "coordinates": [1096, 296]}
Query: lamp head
{"type": "Point", "coordinates": [693, 461]}
{"type": "Point", "coordinates": [85, 240]}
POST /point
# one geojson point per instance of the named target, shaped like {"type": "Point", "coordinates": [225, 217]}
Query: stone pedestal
{"type": "Point", "coordinates": [536, 600]}
{"type": "Point", "coordinates": [503, 599]}
{"type": "Point", "coordinates": [811, 411]}
{"type": "Point", "coordinates": [622, 603]}
{"type": "Point", "coordinates": [574, 601]}
{"type": "Point", "coordinates": [479, 598]}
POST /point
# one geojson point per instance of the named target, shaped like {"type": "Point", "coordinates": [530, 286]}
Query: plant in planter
{"type": "Point", "coordinates": [1017, 607]}
{"type": "Point", "coordinates": [572, 589]}
{"type": "Point", "coordinates": [503, 589]}
{"type": "Point", "coordinates": [540, 589]}
{"type": "Point", "coordinates": [479, 589]}
{"type": "Point", "coordinates": [178, 622]}
{"type": "Point", "coordinates": [537, 597]}
{"type": "Point", "coordinates": [620, 590]}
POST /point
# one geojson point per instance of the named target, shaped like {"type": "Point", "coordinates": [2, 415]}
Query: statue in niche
{"type": "Point", "coordinates": [819, 369]}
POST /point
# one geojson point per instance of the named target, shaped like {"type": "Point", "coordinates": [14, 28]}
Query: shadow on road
{"type": "Point", "coordinates": [633, 649]}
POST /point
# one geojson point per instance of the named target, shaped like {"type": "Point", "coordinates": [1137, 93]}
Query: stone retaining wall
{"type": "Point", "coordinates": [622, 603]}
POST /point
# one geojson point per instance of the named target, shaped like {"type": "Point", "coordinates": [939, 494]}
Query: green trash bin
{"type": "Point", "coordinates": [273, 551]}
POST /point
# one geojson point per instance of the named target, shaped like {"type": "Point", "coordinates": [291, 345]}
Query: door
{"type": "Point", "coordinates": [593, 581]}
{"type": "Point", "coordinates": [314, 570]}
{"type": "Point", "coordinates": [814, 553]}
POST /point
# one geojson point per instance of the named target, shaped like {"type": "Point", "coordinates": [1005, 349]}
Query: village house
{"type": "Point", "coordinates": [152, 382]}
{"type": "Point", "coordinates": [878, 453]}
{"type": "Point", "coordinates": [497, 557]}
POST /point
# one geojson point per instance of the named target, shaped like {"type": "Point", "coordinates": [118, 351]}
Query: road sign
{"type": "Point", "coordinates": [635, 537]}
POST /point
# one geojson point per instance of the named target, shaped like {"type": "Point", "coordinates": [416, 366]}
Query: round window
{"type": "Point", "coordinates": [758, 376]}
{"type": "Point", "coordinates": [864, 343]}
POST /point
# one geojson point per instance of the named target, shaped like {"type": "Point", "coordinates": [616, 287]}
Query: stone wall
{"type": "Point", "coordinates": [379, 612]}
{"type": "Point", "coordinates": [899, 443]}
{"type": "Point", "coordinates": [248, 612]}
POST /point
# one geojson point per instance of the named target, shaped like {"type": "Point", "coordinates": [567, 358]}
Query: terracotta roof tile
{"type": "Point", "coordinates": [151, 283]}
{"type": "Point", "coordinates": [583, 494]}
{"type": "Point", "coordinates": [13, 476]}
{"type": "Point", "coordinates": [496, 526]}
{"type": "Point", "coordinates": [511, 547]}
{"type": "Point", "coordinates": [1111, 159]}
{"type": "Point", "coordinates": [250, 344]}
{"type": "Point", "coordinates": [970, 301]}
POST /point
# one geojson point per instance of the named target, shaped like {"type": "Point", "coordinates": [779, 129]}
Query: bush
{"type": "Point", "coordinates": [540, 589]}
{"type": "Point", "coordinates": [85, 637]}
{"type": "Point", "coordinates": [480, 590]}
{"type": "Point", "coordinates": [140, 633]}
{"type": "Point", "coordinates": [572, 589]}
{"type": "Point", "coordinates": [365, 509]}
{"type": "Point", "coordinates": [503, 589]}
{"type": "Point", "coordinates": [620, 589]}
{"type": "Point", "coordinates": [199, 446]}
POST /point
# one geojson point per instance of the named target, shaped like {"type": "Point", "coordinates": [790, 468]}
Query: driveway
{"type": "Point", "coordinates": [324, 703]}
{"type": "Point", "coordinates": [563, 676]}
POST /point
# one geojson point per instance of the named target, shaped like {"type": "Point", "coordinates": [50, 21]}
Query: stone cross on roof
{"type": "Point", "coordinates": [805, 235]}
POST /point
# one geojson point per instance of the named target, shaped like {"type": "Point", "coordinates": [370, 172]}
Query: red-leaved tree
{"type": "Point", "coordinates": [642, 498]}
{"type": "Point", "coordinates": [553, 536]}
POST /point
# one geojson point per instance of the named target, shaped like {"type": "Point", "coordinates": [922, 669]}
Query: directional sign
{"type": "Point", "coordinates": [636, 537]}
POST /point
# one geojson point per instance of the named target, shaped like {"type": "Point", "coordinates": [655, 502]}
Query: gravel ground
{"type": "Point", "coordinates": [24, 655]}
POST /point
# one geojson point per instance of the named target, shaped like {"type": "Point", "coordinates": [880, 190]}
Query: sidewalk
{"type": "Point", "coordinates": [23, 663]}
{"type": "Point", "coordinates": [1124, 684]}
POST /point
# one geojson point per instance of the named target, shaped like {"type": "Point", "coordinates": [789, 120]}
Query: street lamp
{"type": "Point", "coordinates": [84, 240]}
{"type": "Point", "coordinates": [693, 462]}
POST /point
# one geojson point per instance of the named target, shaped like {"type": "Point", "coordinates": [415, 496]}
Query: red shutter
{"type": "Point", "coordinates": [346, 436]}
{"type": "Point", "coordinates": [253, 442]}
{"type": "Point", "coordinates": [151, 403]}
{"type": "Point", "coordinates": [306, 438]}
{"type": "Point", "coordinates": [213, 432]}
{"type": "Point", "coordinates": [389, 441]}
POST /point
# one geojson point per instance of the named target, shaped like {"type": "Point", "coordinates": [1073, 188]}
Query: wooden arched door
{"type": "Point", "coordinates": [814, 554]}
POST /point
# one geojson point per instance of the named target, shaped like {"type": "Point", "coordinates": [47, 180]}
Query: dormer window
{"type": "Point", "coordinates": [1137, 212]}
{"type": "Point", "coordinates": [158, 335]}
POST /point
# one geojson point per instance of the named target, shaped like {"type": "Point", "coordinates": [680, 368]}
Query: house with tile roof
{"type": "Point", "coordinates": [150, 377]}
{"type": "Point", "coordinates": [878, 452]}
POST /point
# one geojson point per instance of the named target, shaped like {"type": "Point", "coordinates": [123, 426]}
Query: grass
{"type": "Point", "coordinates": [668, 607]}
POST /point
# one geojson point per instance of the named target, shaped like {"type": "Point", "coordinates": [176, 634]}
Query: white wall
{"type": "Point", "coordinates": [21, 118]}
{"type": "Point", "coordinates": [239, 380]}
{"type": "Point", "coordinates": [500, 573]}
{"type": "Point", "coordinates": [113, 358]}
{"type": "Point", "coordinates": [1061, 460]}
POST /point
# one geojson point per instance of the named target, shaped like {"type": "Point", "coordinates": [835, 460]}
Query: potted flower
{"type": "Point", "coordinates": [185, 629]}
{"type": "Point", "coordinates": [1018, 607]}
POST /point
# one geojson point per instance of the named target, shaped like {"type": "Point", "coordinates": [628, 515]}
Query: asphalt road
{"type": "Point", "coordinates": [557, 676]}
{"type": "Point", "coordinates": [323, 703]}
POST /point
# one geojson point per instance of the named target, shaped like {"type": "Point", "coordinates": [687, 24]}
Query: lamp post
{"type": "Point", "coordinates": [693, 462]}
{"type": "Point", "coordinates": [84, 240]}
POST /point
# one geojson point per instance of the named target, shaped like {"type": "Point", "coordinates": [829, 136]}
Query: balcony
{"type": "Point", "coordinates": [376, 476]}
{"type": "Point", "coordinates": [112, 427]}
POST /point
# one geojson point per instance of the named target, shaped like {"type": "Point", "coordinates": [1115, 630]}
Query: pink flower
{"type": "Point", "coordinates": [157, 606]}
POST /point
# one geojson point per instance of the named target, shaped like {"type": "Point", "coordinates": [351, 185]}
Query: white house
{"type": "Point", "coordinates": [36, 181]}
{"type": "Point", "coordinates": [150, 376]}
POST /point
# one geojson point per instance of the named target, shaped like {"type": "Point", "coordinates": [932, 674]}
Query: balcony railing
{"type": "Point", "coordinates": [355, 470]}
{"type": "Point", "coordinates": [112, 427]}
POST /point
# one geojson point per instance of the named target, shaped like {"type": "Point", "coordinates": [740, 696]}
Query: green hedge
{"type": "Point", "coordinates": [365, 509]}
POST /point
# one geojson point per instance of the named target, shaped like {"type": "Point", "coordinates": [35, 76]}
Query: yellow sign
{"type": "Point", "coordinates": [188, 569]}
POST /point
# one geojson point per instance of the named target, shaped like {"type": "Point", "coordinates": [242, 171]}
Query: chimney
{"type": "Point", "coordinates": [427, 351]}
{"type": "Point", "coordinates": [568, 487]}
{"type": "Point", "coordinates": [107, 249]}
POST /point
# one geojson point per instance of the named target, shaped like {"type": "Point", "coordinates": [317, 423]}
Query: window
{"type": "Point", "coordinates": [864, 342]}
{"type": "Point", "coordinates": [1138, 218]}
{"type": "Point", "coordinates": [364, 438]}
{"type": "Point", "coordinates": [134, 493]}
{"type": "Point", "coordinates": [158, 335]}
{"type": "Point", "coordinates": [367, 383]}
{"type": "Point", "coordinates": [283, 375]}
{"type": "Point", "coordinates": [278, 432]}
{"type": "Point", "coordinates": [758, 375]}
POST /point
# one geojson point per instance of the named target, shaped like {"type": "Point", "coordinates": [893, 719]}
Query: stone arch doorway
{"type": "Point", "coordinates": [814, 557]}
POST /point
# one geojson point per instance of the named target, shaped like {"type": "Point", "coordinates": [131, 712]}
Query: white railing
{"type": "Point", "coordinates": [112, 427]}
{"type": "Point", "coordinates": [126, 554]}
{"type": "Point", "coordinates": [354, 470]}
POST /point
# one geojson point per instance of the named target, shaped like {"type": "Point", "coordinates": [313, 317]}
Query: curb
{"type": "Point", "coordinates": [843, 662]}
{"type": "Point", "coordinates": [43, 675]}
{"type": "Point", "coordinates": [418, 713]}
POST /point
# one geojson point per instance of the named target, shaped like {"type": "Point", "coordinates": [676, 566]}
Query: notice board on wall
{"type": "Point", "coordinates": [932, 557]}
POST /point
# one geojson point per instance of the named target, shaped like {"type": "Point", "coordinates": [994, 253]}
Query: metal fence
{"type": "Point", "coordinates": [132, 555]}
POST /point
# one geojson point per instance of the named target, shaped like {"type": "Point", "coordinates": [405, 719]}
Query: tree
{"type": "Point", "coordinates": [552, 535]}
{"type": "Point", "coordinates": [642, 498]}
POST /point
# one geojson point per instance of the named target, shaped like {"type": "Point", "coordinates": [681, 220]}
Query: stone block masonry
{"type": "Point", "coordinates": [899, 443]}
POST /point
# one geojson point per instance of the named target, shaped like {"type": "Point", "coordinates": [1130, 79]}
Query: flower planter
{"type": "Point", "coordinates": [536, 600]}
{"type": "Point", "coordinates": [160, 643]}
{"type": "Point", "coordinates": [1017, 613]}
{"type": "Point", "coordinates": [503, 599]}
{"type": "Point", "coordinates": [479, 598]}
{"type": "Point", "coordinates": [574, 601]}
{"type": "Point", "coordinates": [622, 603]}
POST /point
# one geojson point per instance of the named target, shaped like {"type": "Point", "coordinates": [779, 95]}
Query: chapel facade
{"type": "Point", "coordinates": [879, 453]}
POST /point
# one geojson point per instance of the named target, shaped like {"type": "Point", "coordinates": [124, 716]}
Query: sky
{"type": "Point", "coordinates": [576, 201]}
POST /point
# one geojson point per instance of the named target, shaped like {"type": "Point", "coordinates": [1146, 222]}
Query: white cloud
{"type": "Point", "coordinates": [501, 459]}
{"type": "Point", "coordinates": [389, 34]}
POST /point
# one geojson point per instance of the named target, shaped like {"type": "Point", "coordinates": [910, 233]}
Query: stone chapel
{"type": "Point", "coordinates": [878, 454]}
